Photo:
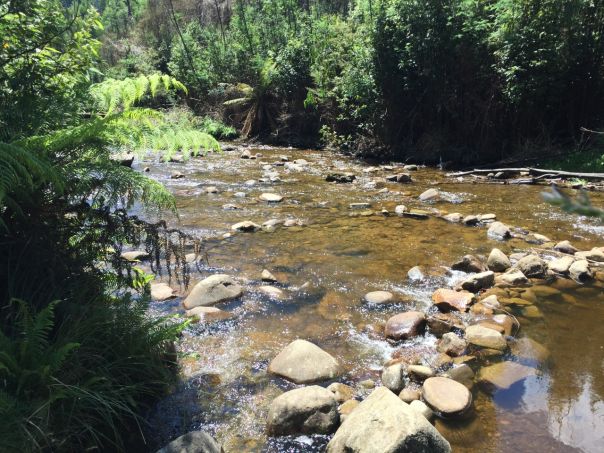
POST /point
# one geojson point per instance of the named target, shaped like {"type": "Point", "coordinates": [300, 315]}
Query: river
{"type": "Point", "coordinates": [337, 254]}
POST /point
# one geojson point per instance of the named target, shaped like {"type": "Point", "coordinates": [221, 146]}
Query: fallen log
{"type": "Point", "coordinates": [530, 171]}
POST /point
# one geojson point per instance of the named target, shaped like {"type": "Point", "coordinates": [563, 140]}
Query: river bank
{"type": "Point", "coordinates": [339, 245]}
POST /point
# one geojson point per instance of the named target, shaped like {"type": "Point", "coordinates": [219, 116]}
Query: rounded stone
{"type": "Point", "coordinates": [379, 297]}
{"type": "Point", "coordinates": [405, 325]}
{"type": "Point", "coordinates": [303, 362]}
{"type": "Point", "coordinates": [446, 396]}
{"type": "Point", "coordinates": [212, 290]}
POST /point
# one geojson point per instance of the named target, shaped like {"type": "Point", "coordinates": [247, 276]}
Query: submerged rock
{"type": "Point", "coordinates": [307, 410]}
{"type": "Point", "coordinates": [528, 349]}
{"type": "Point", "coordinates": [446, 396]}
{"type": "Point", "coordinates": [379, 297]}
{"type": "Point", "coordinates": [193, 442]}
{"type": "Point", "coordinates": [405, 325]}
{"type": "Point", "coordinates": [303, 362]}
{"type": "Point", "coordinates": [503, 375]}
{"type": "Point", "coordinates": [383, 423]}
{"type": "Point", "coordinates": [212, 290]}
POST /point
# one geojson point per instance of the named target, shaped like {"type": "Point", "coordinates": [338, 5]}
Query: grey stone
{"type": "Point", "coordinates": [212, 290]}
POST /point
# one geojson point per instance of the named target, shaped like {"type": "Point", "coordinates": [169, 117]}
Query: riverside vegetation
{"type": "Point", "coordinates": [91, 88]}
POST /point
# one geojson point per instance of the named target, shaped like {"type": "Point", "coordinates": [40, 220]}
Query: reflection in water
{"type": "Point", "coordinates": [327, 265]}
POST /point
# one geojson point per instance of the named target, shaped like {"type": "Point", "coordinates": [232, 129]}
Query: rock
{"type": "Point", "coordinates": [417, 214]}
{"type": "Point", "coordinates": [193, 442]}
{"type": "Point", "coordinates": [379, 297]}
{"type": "Point", "coordinates": [161, 291]}
{"type": "Point", "coordinates": [491, 302]}
{"type": "Point", "coordinates": [393, 378]}
{"type": "Point", "coordinates": [409, 394]}
{"type": "Point", "coordinates": [383, 423]}
{"type": "Point", "coordinates": [419, 373]}
{"type": "Point", "coordinates": [442, 323]}
{"type": "Point", "coordinates": [340, 178]}
{"type": "Point", "coordinates": [403, 178]}
{"type": "Point", "coordinates": [307, 410]}
{"type": "Point", "coordinates": [429, 195]}
{"type": "Point", "coordinates": [487, 217]}
{"type": "Point", "coordinates": [462, 374]}
{"type": "Point", "coordinates": [400, 209]}
{"type": "Point", "coordinates": [212, 290]}
{"type": "Point", "coordinates": [470, 220]}
{"type": "Point", "coordinates": [230, 207]}
{"type": "Point", "coordinates": [479, 281]}
{"type": "Point", "coordinates": [367, 384]}
{"type": "Point", "coordinates": [240, 194]}
{"type": "Point", "coordinates": [513, 277]}
{"type": "Point", "coordinates": [271, 291]}
{"type": "Point", "coordinates": [449, 300]}
{"type": "Point", "coordinates": [595, 254]}
{"type": "Point", "coordinates": [565, 247]}
{"type": "Point", "coordinates": [503, 375]}
{"type": "Point", "coordinates": [266, 276]}
{"type": "Point", "coordinates": [177, 175]}
{"type": "Point", "coordinates": [485, 338]}
{"type": "Point", "coordinates": [251, 182]}
{"type": "Point", "coordinates": [208, 314]}
{"type": "Point", "coordinates": [452, 345]}
{"type": "Point", "coordinates": [346, 408]}
{"type": "Point", "coordinates": [303, 362]}
{"type": "Point", "coordinates": [211, 189]}
{"type": "Point", "coordinates": [532, 266]}
{"type": "Point", "coordinates": [498, 261]}
{"type": "Point", "coordinates": [341, 392]}
{"type": "Point", "coordinates": [561, 265]}
{"type": "Point", "coordinates": [421, 408]}
{"type": "Point", "coordinates": [469, 263]}
{"type": "Point", "coordinates": [528, 349]}
{"type": "Point", "coordinates": [499, 231]}
{"type": "Point", "coordinates": [446, 396]}
{"type": "Point", "coordinates": [271, 197]}
{"type": "Point", "coordinates": [360, 205]}
{"type": "Point", "coordinates": [506, 322]}
{"type": "Point", "coordinates": [454, 217]}
{"type": "Point", "coordinates": [245, 154]}
{"type": "Point", "coordinates": [580, 272]}
{"type": "Point", "coordinates": [135, 255]}
{"type": "Point", "coordinates": [405, 325]}
{"type": "Point", "coordinates": [410, 167]}
{"type": "Point", "coordinates": [246, 226]}
{"type": "Point", "coordinates": [415, 274]}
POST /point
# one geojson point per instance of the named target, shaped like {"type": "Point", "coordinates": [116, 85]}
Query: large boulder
{"type": "Point", "coordinates": [303, 362]}
{"type": "Point", "coordinates": [479, 281]}
{"type": "Point", "coordinates": [405, 325]}
{"type": "Point", "coordinates": [485, 338]}
{"type": "Point", "coordinates": [561, 265]}
{"type": "Point", "coordinates": [498, 261]}
{"type": "Point", "coordinates": [532, 266]}
{"type": "Point", "coordinates": [449, 300]}
{"type": "Point", "coordinates": [469, 263]}
{"type": "Point", "coordinates": [161, 291]}
{"type": "Point", "coordinates": [212, 290]}
{"type": "Point", "coordinates": [385, 424]}
{"type": "Point", "coordinates": [307, 410]}
{"type": "Point", "coordinates": [446, 396]}
{"type": "Point", "coordinates": [193, 442]}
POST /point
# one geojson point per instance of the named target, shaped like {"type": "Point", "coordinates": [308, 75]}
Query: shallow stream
{"type": "Point", "coordinates": [326, 265]}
